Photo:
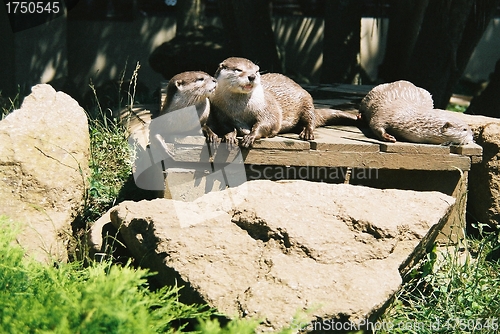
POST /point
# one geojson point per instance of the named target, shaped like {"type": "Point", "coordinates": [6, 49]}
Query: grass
{"type": "Point", "coordinates": [451, 292]}
{"type": "Point", "coordinates": [110, 166]}
{"type": "Point", "coordinates": [98, 298]}
{"type": "Point", "coordinates": [110, 156]}
{"type": "Point", "coordinates": [9, 104]}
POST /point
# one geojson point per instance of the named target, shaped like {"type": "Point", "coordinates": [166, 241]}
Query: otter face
{"type": "Point", "coordinates": [457, 133]}
{"type": "Point", "coordinates": [189, 88]}
{"type": "Point", "coordinates": [195, 82]}
{"type": "Point", "coordinates": [238, 75]}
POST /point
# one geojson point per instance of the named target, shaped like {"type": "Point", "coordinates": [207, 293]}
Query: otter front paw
{"type": "Point", "coordinates": [210, 135]}
{"type": "Point", "coordinates": [388, 137]}
{"type": "Point", "coordinates": [231, 140]}
{"type": "Point", "coordinates": [383, 135]}
{"type": "Point", "coordinates": [248, 140]}
{"type": "Point", "coordinates": [307, 134]}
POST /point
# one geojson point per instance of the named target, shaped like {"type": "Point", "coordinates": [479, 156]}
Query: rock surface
{"type": "Point", "coordinates": [484, 178]}
{"type": "Point", "coordinates": [44, 152]}
{"type": "Point", "coordinates": [272, 250]}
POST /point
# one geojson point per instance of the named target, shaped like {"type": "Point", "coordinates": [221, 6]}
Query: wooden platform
{"type": "Point", "coordinates": [334, 146]}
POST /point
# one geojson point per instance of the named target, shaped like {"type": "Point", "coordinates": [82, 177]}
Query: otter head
{"type": "Point", "coordinates": [189, 88]}
{"type": "Point", "coordinates": [238, 75]}
{"type": "Point", "coordinates": [456, 132]}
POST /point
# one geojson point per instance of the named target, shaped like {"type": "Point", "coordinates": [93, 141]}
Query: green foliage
{"type": "Point", "coordinates": [456, 107]}
{"type": "Point", "coordinates": [101, 298]}
{"type": "Point", "coordinates": [450, 292]}
{"type": "Point", "coordinates": [110, 158]}
{"type": "Point", "coordinates": [236, 326]}
{"type": "Point", "coordinates": [110, 165]}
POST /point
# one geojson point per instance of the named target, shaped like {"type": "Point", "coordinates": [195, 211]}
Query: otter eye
{"type": "Point", "coordinates": [200, 79]}
{"type": "Point", "coordinates": [238, 70]}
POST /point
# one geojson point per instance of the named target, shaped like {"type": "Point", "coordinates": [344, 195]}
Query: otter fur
{"type": "Point", "coordinates": [186, 89]}
{"type": "Point", "coordinates": [404, 111]}
{"type": "Point", "coordinates": [248, 104]}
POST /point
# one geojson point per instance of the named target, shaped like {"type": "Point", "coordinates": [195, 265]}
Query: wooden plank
{"type": "Point", "coordinates": [191, 153]}
{"type": "Point", "coordinates": [358, 132]}
{"type": "Point", "coordinates": [222, 155]}
{"type": "Point", "coordinates": [380, 160]}
{"type": "Point", "coordinates": [475, 159]}
{"type": "Point", "coordinates": [332, 158]}
{"type": "Point", "coordinates": [342, 139]}
{"type": "Point", "coordinates": [282, 142]}
{"type": "Point", "coordinates": [413, 148]}
{"type": "Point", "coordinates": [471, 149]}
{"type": "Point", "coordinates": [187, 140]}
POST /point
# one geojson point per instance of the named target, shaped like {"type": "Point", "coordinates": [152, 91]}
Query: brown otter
{"type": "Point", "coordinates": [187, 89]}
{"type": "Point", "coordinates": [254, 106]}
{"type": "Point", "coordinates": [402, 110]}
{"type": "Point", "coordinates": [185, 111]}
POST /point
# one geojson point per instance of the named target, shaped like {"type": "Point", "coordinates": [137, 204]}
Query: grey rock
{"type": "Point", "coordinates": [275, 250]}
{"type": "Point", "coordinates": [484, 178]}
{"type": "Point", "coordinates": [44, 154]}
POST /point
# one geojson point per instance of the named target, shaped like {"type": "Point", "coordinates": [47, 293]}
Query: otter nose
{"type": "Point", "coordinates": [251, 78]}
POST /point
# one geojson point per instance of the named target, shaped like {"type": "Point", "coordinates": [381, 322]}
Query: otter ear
{"type": "Point", "coordinates": [446, 126]}
{"type": "Point", "coordinates": [179, 84]}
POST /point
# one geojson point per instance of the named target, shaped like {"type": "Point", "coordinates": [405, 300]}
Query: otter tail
{"type": "Point", "coordinates": [326, 116]}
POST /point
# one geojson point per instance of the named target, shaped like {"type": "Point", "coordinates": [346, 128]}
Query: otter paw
{"type": "Point", "coordinates": [212, 137]}
{"type": "Point", "coordinates": [248, 140]}
{"type": "Point", "coordinates": [307, 134]}
{"type": "Point", "coordinates": [388, 137]}
{"type": "Point", "coordinates": [209, 134]}
{"type": "Point", "coordinates": [231, 140]}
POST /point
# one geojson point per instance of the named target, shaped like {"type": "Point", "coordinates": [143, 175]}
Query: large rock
{"type": "Point", "coordinates": [274, 249]}
{"type": "Point", "coordinates": [44, 152]}
{"type": "Point", "coordinates": [483, 202]}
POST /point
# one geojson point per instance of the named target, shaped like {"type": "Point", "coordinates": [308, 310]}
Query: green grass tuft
{"type": "Point", "coordinates": [110, 166]}
{"type": "Point", "coordinates": [456, 291]}
{"type": "Point", "coordinates": [456, 107]}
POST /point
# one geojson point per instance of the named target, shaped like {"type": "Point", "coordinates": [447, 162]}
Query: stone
{"type": "Point", "coordinates": [44, 158]}
{"type": "Point", "coordinates": [273, 250]}
{"type": "Point", "coordinates": [483, 203]}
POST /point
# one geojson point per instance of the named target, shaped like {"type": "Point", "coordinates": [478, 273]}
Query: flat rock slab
{"type": "Point", "coordinates": [273, 250]}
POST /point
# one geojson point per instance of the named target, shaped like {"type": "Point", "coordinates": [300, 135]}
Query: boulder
{"type": "Point", "coordinates": [483, 202]}
{"type": "Point", "coordinates": [275, 250]}
{"type": "Point", "coordinates": [44, 154]}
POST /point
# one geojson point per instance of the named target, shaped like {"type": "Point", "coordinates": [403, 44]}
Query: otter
{"type": "Point", "coordinates": [186, 89]}
{"type": "Point", "coordinates": [185, 111]}
{"type": "Point", "coordinates": [248, 104]}
{"type": "Point", "coordinates": [402, 110]}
